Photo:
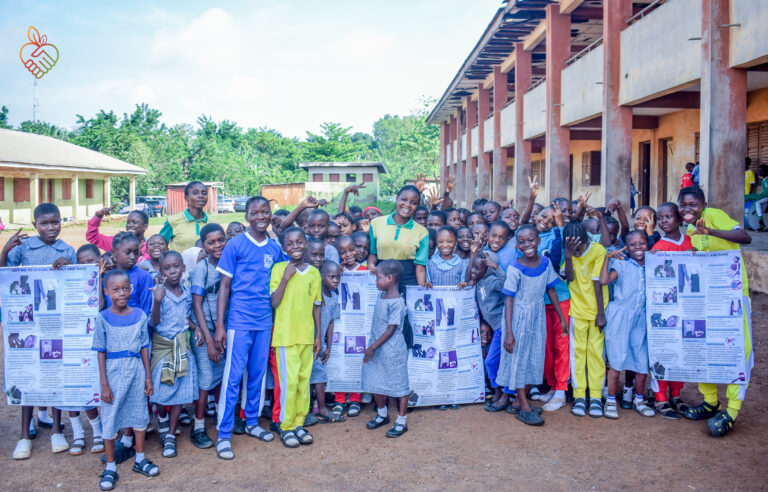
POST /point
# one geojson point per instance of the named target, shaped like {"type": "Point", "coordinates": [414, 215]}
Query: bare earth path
{"type": "Point", "coordinates": [456, 450]}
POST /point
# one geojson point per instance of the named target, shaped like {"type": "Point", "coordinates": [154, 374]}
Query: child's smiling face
{"type": "Point", "coordinates": [464, 239]}
{"type": "Point", "coordinates": [497, 238]}
{"type": "Point", "coordinates": [214, 244]}
{"type": "Point", "coordinates": [637, 245]}
{"type": "Point", "coordinates": [527, 243]}
{"type": "Point", "coordinates": [259, 215]}
{"type": "Point", "coordinates": [691, 208]}
{"type": "Point", "coordinates": [48, 227]}
{"type": "Point", "coordinates": [446, 243]}
{"type": "Point", "coordinates": [295, 245]}
{"type": "Point", "coordinates": [454, 219]}
{"type": "Point", "coordinates": [347, 251]}
{"type": "Point", "coordinates": [156, 246]}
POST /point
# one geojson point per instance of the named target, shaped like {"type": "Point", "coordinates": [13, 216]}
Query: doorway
{"type": "Point", "coordinates": [665, 150]}
{"type": "Point", "coordinates": [645, 173]}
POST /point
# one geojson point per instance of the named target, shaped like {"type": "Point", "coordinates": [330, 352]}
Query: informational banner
{"type": "Point", "coordinates": [48, 321]}
{"type": "Point", "coordinates": [445, 365]}
{"type": "Point", "coordinates": [357, 298]}
{"type": "Point", "coordinates": [695, 316]}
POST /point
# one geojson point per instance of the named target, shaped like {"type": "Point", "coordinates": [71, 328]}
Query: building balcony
{"type": "Point", "coordinates": [534, 111]}
{"type": "Point", "coordinates": [581, 89]}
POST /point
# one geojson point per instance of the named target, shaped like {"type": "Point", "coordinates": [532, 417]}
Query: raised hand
{"type": "Point", "coordinates": [15, 240]}
{"type": "Point", "coordinates": [583, 199]}
{"type": "Point", "coordinates": [701, 228]}
{"type": "Point", "coordinates": [649, 225]}
{"type": "Point", "coordinates": [355, 189]}
{"type": "Point", "coordinates": [420, 181]}
{"type": "Point", "coordinates": [613, 205]}
{"type": "Point", "coordinates": [507, 204]}
{"type": "Point", "coordinates": [158, 291]}
{"type": "Point", "coordinates": [617, 254]}
{"type": "Point", "coordinates": [593, 212]}
{"type": "Point", "coordinates": [450, 184]}
{"type": "Point", "coordinates": [572, 246]}
{"type": "Point", "coordinates": [309, 202]}
{"type": "Point", "coordinates": [534, 184]}
{"type": "Point", "coordinates": [558, 214]}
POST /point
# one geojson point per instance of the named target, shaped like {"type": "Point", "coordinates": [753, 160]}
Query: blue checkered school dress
{"type": "Point", "coordinates": [442, 272]}
{"type": "Point", "coordinates": [174, 311]}
{"type": "Point", "coordinates": [387, 373]}
{"type": "Point", "coordinates": [204, 280]}
{"type": "Point", "coordinates": [525, 365]}
{"type": "Point", "coordinates": [626, 342]}
{"type": "Point", "coordinates": [122, 338]}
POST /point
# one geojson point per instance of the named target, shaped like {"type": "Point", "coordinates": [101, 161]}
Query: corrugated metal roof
{"type": "Point", "coordinates": [32, 151]}
{"type": "Point", "coordinates": [379, 165]}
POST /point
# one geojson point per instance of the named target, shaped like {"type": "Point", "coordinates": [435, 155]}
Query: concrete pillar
{"type": "Point", "coordinates": [483, 159]}
{"type": "Point", "coordinates": [616, 147]}
{"type": "Point", "coordinates": [132, 192]}
{"type": "Point", "coordinates": [499, 153]}
{"type": "Point", "coordinates": [460, 156]}
{"type": "Point", "coordinates": [723, 120]}
{"type": "Point", "coordinates": [522, 146]}
{"type": "Point", "coordinates": [470, 177]}
{"type": "Point", "coordinates": [107, 191]}
{"type": "Point", "coordinates": [444, 164]}
{"type": "Point", "coordinates": [76, 198]}
{"type": "Point", "coordinates": [34, 192]}
{"type": "Point", "coordinates": [557, 139]}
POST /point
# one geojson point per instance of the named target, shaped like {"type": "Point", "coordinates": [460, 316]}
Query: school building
{"type": "Point", "coordinates": [36, 169]}
{"type": "Point", "coordinates": [588, 94]}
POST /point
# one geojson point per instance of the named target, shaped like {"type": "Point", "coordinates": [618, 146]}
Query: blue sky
{"type": "Point", "coordinates": [287, 65]}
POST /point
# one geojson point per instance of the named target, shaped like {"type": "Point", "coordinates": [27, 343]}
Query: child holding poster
{"type": "Point", "coordinates": [43, 249]}
{"type": "Point", "coordinates": [528, 280]}
{"type": "Point", "coordinates": [121, 339]}
{"type": "Point", "coordinates": [711, 229]}
{"type": "Point", "coordinates": [329, 313]}
{"type": "Point", "coordinates": [349, 263]}
{"type": "Point", "coordinates": [385, 364]}
{"type": "Point", "coordinates": [669, 221]}
{"type": "Point", "coordinates": [626, 342]}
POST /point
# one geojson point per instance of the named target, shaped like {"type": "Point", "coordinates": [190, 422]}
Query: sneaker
{"type": "Point", "coordinates": [200, 439]}
{"type": "Point", "coordinates": [611, 410]}
{"type": "Point", "coordinates": [595, 408]}
{"type": "Point", "coordinates": [627, 395]}
{"type": "Point", "coordinates": [59, 443]}
{"type": "Point", "coordinates": [702, 411]}
{"type": "Point", "coordinates": [547, 396]}
{"type": "Point", "coordinates": [721, 424]}
{"type": "Point", "coordinates": [554, 404]}
{"type": "Point", "coordinates": [23, 449]}
{"type": "Point", "coordinates": [665, 410]}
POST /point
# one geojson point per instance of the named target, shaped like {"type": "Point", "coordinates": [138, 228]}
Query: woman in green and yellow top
{"type": "Point", "coordinates": [183, 230]}
{"type": "Point", "coordinates": [711, 229]}
{"type": "Point", "coordinates": [398, 237]}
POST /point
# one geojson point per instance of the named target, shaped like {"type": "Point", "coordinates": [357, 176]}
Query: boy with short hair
{"type": "Point", "coordinates": [296, 293]}
{"type": "Point", "coordinates": [43, 249]}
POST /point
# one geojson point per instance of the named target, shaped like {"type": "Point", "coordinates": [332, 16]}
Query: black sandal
{"type": "Point", "coordinates": [169, 444]}
{"type": "Point", "coordinates": [337, 413]}
{"type": "Point", "coordinates": [110, 477]}
{"type": "Point", "coordinates": [289, 439]}
{"type": "Point", "coordinates": [146, 467]}
{"type": "Point", "coordinates": [354, 409]}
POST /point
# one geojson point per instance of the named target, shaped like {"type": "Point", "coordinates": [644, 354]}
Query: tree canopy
{"type": "Point", "coordinates": [244, 159]}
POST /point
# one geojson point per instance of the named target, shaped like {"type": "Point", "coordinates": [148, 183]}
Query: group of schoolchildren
{"type": "Point", "coordinates": [560, 292]}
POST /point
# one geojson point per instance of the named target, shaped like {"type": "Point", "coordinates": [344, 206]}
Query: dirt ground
{"type": "Point", "coordinates": [457, 450]}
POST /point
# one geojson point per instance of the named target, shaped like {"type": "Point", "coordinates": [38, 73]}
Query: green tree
{"type": "Point", "coordinates": [4, 118]}
{"type": "Point", "coordinates": [335, 144]}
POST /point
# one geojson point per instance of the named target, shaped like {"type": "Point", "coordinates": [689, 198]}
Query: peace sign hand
{"type": "Point", "coordinates": [617, 254]}
{"type": "Point", "coordinates": [534, 184]}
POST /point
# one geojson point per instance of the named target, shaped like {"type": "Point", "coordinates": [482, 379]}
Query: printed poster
{"type": "Point", "coordinates": [48, 321]}
{"type": "Point", "coordinates": [695, 316]}
{"type": "Point", "coordinates": [445, 365]}
{"type": "Point", "coordinates": [357, 298]}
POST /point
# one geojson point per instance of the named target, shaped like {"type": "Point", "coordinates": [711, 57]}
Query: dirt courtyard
{"type": "Point", "coordinates": [455, 449]}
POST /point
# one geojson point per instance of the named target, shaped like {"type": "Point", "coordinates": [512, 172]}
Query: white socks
{"type": "Point", "coordinates": [164, 419]}
{"type": "Point", "coordinates": [382, 412]}
{"type": "Point", "coordinates": [139, 457]}
{"type": "Point", "coordinates": [111, 466]}
{"type": "Point", "coordinates": [401, 419]}
{"type": "Point", "coordinates": [560, 394]}
{"type": "Point", "coordinates": [77, 427]}
{"type": "Point", "coordinates": [127, 441]}
{"type": "Point", "coordinates": [199, 424]}
{"type": "Point", "coordinates": [96, 426]}
{"type": "Point", "coordinates": [42, 416]}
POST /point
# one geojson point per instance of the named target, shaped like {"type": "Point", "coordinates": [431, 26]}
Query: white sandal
{"type": "Point", "coordinates": [643, 408]}
{"type": "Point", "coordinates": [610, 410]}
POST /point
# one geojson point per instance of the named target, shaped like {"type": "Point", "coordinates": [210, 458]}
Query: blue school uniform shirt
{"type": "Point", "coordinates": [141, 296]}
{"type": "Point", "coordinates": [34, 252]}
{"type": "Point", "coordinates": [507, 255]}
{"type": "Point", "coordinates": [249, 264]}
{"type": "Point", "coordinates": [332, 254]}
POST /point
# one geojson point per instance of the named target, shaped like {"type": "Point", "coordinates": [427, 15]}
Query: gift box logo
{"type": "Point", "coordinates": [38, 56]}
